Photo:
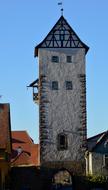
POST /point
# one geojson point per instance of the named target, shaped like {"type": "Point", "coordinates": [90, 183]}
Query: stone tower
{"type": "Point", "coordinates": [62, 98]}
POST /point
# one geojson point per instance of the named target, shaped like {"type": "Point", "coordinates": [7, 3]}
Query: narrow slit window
{"type": "Point", "coordinates": [62, 142]}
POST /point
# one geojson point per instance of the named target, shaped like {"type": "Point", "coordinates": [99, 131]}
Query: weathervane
{"type": "Point", "coordinates": [61, 4]}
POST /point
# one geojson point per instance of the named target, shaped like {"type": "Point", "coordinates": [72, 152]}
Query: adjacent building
{"type": "Point", "coordinates": [24, 151]}
{"type": "Point", "coordinates": [5, 145]}
{"type": "Point", "coordinates": [97, 155]}
{"type": "Point", "coordinates": [25, 162]}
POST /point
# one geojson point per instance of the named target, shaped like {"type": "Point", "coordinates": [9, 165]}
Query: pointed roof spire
{"type": "Point", "coordinates": [61, 36]}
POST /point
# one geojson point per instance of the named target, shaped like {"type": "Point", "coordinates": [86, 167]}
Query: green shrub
{"type": "Point", "coordinates": [97, 179]}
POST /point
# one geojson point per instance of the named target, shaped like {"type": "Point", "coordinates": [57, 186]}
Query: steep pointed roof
{"type": "Point", "coordinates": [98, 143]}
{"type": "Point", "coordinates": [61, 36]}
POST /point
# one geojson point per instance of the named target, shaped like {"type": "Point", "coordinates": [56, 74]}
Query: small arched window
{"type": "Point", "coordinates": [62, 141]}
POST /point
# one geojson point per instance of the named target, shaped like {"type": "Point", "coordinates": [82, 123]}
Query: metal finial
{"type": "Point", "coordinates": [62, 11]}
{"type": "Point", "coordinates": [61, 4]}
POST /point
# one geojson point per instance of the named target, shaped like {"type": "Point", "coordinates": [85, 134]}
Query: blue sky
{"type": "Point", "coordinates": [24, 24]}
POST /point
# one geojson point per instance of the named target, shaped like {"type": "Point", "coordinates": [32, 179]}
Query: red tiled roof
{"type": "Point", "coordinates": [29, 152]}
{"type": "Point", "coordinates": [5, 127]}
{"type": "Point", "coordinates": [21, 159]}
{"type": "Point", "coordinates": [22, 136]}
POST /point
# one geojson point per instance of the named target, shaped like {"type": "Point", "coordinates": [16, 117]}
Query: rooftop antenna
{"type": "Point", "coordinates": [61, 5]}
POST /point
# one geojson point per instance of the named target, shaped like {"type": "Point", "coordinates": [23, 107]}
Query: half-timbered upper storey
{"type": "Point", "coordinates": [61, 36]}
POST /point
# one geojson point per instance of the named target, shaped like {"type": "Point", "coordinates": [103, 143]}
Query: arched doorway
{"type": "Point", "coordinates": [62, 180]}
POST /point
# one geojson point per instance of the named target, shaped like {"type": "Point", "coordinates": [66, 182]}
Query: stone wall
{"type": "Point", "coordinates": [98, 165]}
{"type": "Point", "coordinates": [62, 111]}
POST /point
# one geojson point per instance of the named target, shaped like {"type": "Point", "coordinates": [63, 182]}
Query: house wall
{"type": "Point", "coordinates": [4, 171]}
{"type": "Point", "coordinates": [62, 111]}
{"type": "Point", "coordinates": [5, 128]}
{"type": "Point", "coordinates": [5, 144]}
{"type": "Point", "coordinates": [96, 164]}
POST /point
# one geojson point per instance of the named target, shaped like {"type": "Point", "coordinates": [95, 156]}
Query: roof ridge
{"type": "Point", "coordinates": [96, 135]}
{"type": "Point", "coordinates": [25, 132]}
{"type": "Point", "coordinates": [100, 140]}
